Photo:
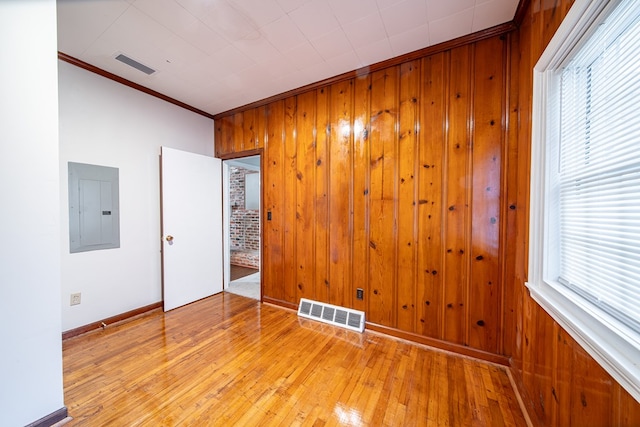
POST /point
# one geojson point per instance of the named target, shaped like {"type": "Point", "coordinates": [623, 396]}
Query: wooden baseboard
{"type": "Point", "coordinates": [526, 404]}
{"type": "Point", "coordinates": [51, 419]}
{"type": "Point", "coordinates": [431, 342]}
{"type": "Point", "coordinates": [441, 345]}
{"type": "Point", "coordinates": [523, 407]}
{"type": "Point", "coordinates": [280, 303]}
{"type": "Point", "coordinates": [111, 320]}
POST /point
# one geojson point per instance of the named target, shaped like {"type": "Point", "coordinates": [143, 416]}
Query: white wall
{"type": "Point", "coordinates": [31, 352]}
{"type": "Point", "coordinates": [108, 124]}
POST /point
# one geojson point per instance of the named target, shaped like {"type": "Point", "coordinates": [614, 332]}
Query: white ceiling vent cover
{"type": "Point", "coordinates": [332, 314]}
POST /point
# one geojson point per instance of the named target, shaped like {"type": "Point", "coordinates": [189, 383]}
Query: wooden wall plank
{"type": "Point", "coordinates": [238, 132]}
{"type": "Point", "coordinates": [321, 190]}
{"type": "Point", "coordinates": [217, 137]}
{"type": "Point", "coordinates": [407, 204]}
{"type": "Point", "coordinates": [224, 132]}
{"type": "Point", "coordinates": [430, 195]}
{"type": "Point", "coordinates": [249, 129]}
{"type": "Point", "coordinates": [486, 161]}
{"type": "Point", "coordinates": [360, 160]}
{"type": "Point", "coordinates": [512, 295]}
{"type": "Point", "coordinates": [591, 389]}
{"type": "Point", "coordinates": [562, 377]}
{"type": "Point", "coordinates": [626, 410]}
{"type": "Point", "coordinates": [340, 182]}
{"type": "Point", "coordinates": [522, 354]}
{"type": "Point", "coordinates": [305, 199]}
{"type": "Point", "coordinates": [457, 190]}
{"type": "Point", "coordinates": [261, 126]}
{"type": "Point", "coordinates": [272, 178]}
{"type": "Point", "coordinates": [542, 361]}
{"type": "Point", "coordinates": [383, 225]}
{"type": "Point", "coordinates": [289, 199]}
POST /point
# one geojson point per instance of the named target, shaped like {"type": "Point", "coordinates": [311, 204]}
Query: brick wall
{"type": "Point", "coordinates": [244, 224]}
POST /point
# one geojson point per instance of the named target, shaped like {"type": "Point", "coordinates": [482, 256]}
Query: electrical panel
{"type": "Point", "coordinates": [94, 209]}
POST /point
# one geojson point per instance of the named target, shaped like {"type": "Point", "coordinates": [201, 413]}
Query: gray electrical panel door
{"type": "Point", "coordinates": [94, 212]}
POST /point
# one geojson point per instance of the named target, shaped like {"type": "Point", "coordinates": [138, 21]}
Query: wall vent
{"type": "Point", "coordinates": [332, 314]}
{"type": "Point", "coordinates": [135, 64]}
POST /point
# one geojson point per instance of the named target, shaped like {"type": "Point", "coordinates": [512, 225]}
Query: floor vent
{"type": "Point", "coordinates": [334, 315]}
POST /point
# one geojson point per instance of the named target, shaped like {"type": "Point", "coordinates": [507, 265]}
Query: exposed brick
{"type": "Point", "coordinates": [244, 224]}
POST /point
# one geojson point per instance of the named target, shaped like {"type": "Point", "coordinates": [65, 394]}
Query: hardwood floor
{"type": "Point", "coordinates": [238, 272]}
{"type": "Point", "coordinates": [229, 360]}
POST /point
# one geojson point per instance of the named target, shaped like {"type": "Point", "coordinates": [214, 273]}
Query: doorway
{"type": "Point", "coordinates": [242, 242]}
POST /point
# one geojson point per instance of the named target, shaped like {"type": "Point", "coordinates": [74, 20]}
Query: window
{"type": "Point", "coordinates": [585, 198]}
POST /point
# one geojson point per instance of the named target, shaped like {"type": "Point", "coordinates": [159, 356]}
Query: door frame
{"type": "Point", "coordinates": [227, 161]}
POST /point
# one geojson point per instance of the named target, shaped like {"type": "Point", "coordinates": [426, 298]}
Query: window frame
{"type": "Point", "coordinates": [611, 343]}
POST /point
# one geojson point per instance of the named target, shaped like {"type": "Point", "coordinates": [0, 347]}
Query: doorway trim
{"type": "Point", "coordinates": [228, 161]}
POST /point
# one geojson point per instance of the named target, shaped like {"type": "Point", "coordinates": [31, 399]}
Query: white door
{"type": "Point", "coordinates": [191, 227]}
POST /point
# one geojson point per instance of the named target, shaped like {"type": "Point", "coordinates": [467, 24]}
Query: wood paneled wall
{"type": "Point", "coordinates": [561, 383]}
{"type": "Point", "coordinates": [392, 182]}
{"type": "Point", "coordinates": [412, 182]}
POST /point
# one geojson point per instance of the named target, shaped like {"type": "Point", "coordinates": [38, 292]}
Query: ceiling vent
{"type": "Point", "coordinates": [135, 64]}
{"type": "Point", "coordinates": [332, 314]}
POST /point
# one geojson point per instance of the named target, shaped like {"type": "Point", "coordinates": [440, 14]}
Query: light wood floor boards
{"type": "Point", "coordinates": [228, 360]}
{"type": "Point", "coordinates": [237, 272]}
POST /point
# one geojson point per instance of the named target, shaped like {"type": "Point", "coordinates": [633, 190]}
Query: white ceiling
{"type": "Point", "coordinates": [216, 55]}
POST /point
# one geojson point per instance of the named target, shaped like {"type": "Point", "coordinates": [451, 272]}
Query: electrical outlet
{"type": "Point", "coordinates": [360, 293]}
{"type": "Point", "coordinates": [75, 298]}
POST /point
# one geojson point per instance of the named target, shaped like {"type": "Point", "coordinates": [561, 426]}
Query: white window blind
{"type": "Point", "coordinates": [595, 176]}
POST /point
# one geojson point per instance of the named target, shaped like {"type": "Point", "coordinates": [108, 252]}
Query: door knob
{"type": "Point", "coordinates": [169, 238]}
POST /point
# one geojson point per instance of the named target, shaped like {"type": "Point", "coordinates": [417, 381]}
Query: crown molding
{"type": "Point", "coordinates": [86, 66]}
